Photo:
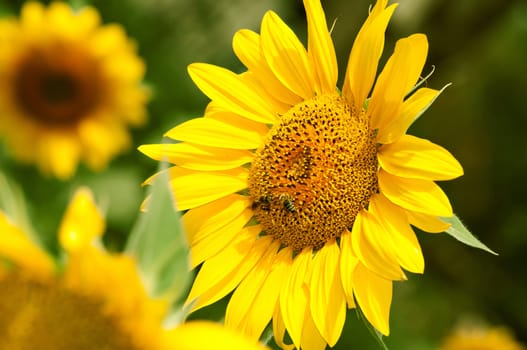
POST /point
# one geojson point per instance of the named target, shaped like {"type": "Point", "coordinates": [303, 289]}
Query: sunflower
{"type": "Point", "coordinates": [97, 300]}
{"type": "Point", "coordinates": [300, 196]}
{"type": "Point", "coordinates": [69, 88]}
{"type": "Point", "coordinates": [481, 338]}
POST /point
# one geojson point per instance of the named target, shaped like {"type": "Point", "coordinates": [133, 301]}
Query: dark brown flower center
{"type": "Point", "coordinates": [57, 86]}
{"type": "Point", "coordinates": [46, 316]}
{"type": "Point", "coordinates": [316, 171]}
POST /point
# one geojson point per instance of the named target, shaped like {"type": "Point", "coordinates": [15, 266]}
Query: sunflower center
{"type": "Point", "coordinates": [58, 86]}
{"type": "Point", "coordinates": [316, 171]}
{"type": "Point", "coordinates": [47, 316]}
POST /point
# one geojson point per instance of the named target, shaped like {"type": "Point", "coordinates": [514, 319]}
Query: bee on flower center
{"type": "Point", "coordinates": [287, 200]}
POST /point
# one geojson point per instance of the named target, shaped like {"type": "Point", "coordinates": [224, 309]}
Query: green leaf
{"type": "Point", "coordinates": [159, 243]}
{"type": "Point", "coordinates": [462, 234]}
{"type": "Point", "coordinates": [373, 331]}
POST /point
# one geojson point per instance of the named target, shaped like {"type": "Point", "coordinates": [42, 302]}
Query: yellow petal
{"type": "Point", "coordinates": [415, 194]}
{"type": "Point", "coordinates": [365, 54]}
{"type": "Point", "coordinates": [396, 79]}
{"type": "Point", "coordinates": [82, 223]}
{"type": "Point", "coordinates": [266, 300]}
{"type": "Point", "coordinates": [215, 133]}
{"type": "Point", "coordinates": [248, 291]}
{"type": "Point", "coordinates": [311, 337]}
{"type": "Point", "coordinates": [399, 236]}
{"type": "Point", "coordinates": [368, 246]}
{"type": "Point", "coordinates": [204, 158]}
{"type": "Point", "coordinates": [246, 45]}
{"type": "Point", "coordinates": [294, 296]}
{"type": "Point", "coordinates": [374, 296]}
{"type": "Point", "coordinates": [417, 158]}
{"type": "Point", "coordinates": [18, 249]}
{"type": "Point", "coordinates": [216, 240]}
{"type": "Point", "coordinates": [279, 329]}
{"type": "Point", "coordinates": [412, 108]}
{"type": "Point", "coordinates": [201, 221]}
{"type": "Point", "coordinates": [228, 90]}
{"type": "Point", "coordinates": [327, 302]}
{"type": "Point", "coordinates": [220, 274]}
{"type": "Point", "coordinates": [194, 188]}
{"type": "Point", "coordinates": [286, 56]}
{"type": "Point", "coordinates": [321, 51]}
{"type": "Point", "coordinates": [59, 154]}
{"type": "Point", "coordinates": [203, 335]}
{"type": "Point", "coordinates": [427, 223]}
{"type": "Point", "coordinates": [348, 261]}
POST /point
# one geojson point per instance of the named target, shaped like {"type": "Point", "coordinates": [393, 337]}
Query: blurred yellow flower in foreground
{"type": "Point", "coordinates": [481, 338]}
{"type": "Point", "coordinates": [300, 194]}
{"type": "Point", "coordinates": [69, 88]}
{"type": "Point", "coordinates": [91, 299]}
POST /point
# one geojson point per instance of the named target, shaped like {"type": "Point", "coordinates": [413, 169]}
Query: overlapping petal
{"type": "Point", "coordinates": [230, 91]}
{"type": "Point", "coordinates": [327, 302]}
{"type": "Point", "coordinates": [246, 45]}
{"type": "Point", "coordinates": [321, 51]}
{"type": "Point", "coordinates": [365, 54]}
{"type": "Point", "coordinates": [396, 79]}
{"type": "Point", "coordinates": [422, 196]}
{"type": "Point", "coordinates": [286, 56]}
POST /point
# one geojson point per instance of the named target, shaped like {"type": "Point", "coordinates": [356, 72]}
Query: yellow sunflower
{"type": "Point", "coordinates": [96, 300]}
{"type": "Point", "coordinates": [481, 338]}
{"type": "Point", "coordinates": [69, 88]}
{"type": "Point", "coordinates": [300, 196]}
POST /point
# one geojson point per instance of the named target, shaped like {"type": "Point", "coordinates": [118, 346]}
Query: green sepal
{"type": "Point", "coordinates": [159, 243]}
{"type": "Point", "coordinates": [462, 234]}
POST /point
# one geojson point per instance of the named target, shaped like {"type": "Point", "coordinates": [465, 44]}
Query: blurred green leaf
{"type": "Point", "coordinates": [462, 234]}
{"type": "Point", "coordinates": [159, 243]}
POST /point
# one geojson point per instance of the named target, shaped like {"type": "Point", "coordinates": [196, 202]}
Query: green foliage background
{"type": "Point", "coordinates": [481, 47]}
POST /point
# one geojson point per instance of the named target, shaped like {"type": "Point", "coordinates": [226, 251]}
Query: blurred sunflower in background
{"type": "Point", "coordinates": [300, 196]}
{"type": "Point", "coordinates": [478, 337]}
{"type": "Point", "coordinates": [69, 88]}
{"type": "Point", "coordinates": [90, 299]}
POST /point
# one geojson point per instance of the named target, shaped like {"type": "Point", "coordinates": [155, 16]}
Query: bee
{"type": "Point", "coordinates": [264, 202]}
{"type": "Point", "coordinates": [287, 200]}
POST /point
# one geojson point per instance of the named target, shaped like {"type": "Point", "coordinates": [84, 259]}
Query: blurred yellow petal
{"type": "Point", "coordinates": [417, 158]}
{"type": "Point", "coordinates": [82, 223]}
{"type": "Point", "coordinates": [374, 295]}
{"type": "Point", "coordinates": [17, 248]}
{"type": "Point", "coordinates": [286, 56]}
{"type": "Point", "coordinates": [321, 51]}
{"type": "Point", "coordinates": [327, 302]}
{"type": "Point", "coordinates": [418, 195]}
